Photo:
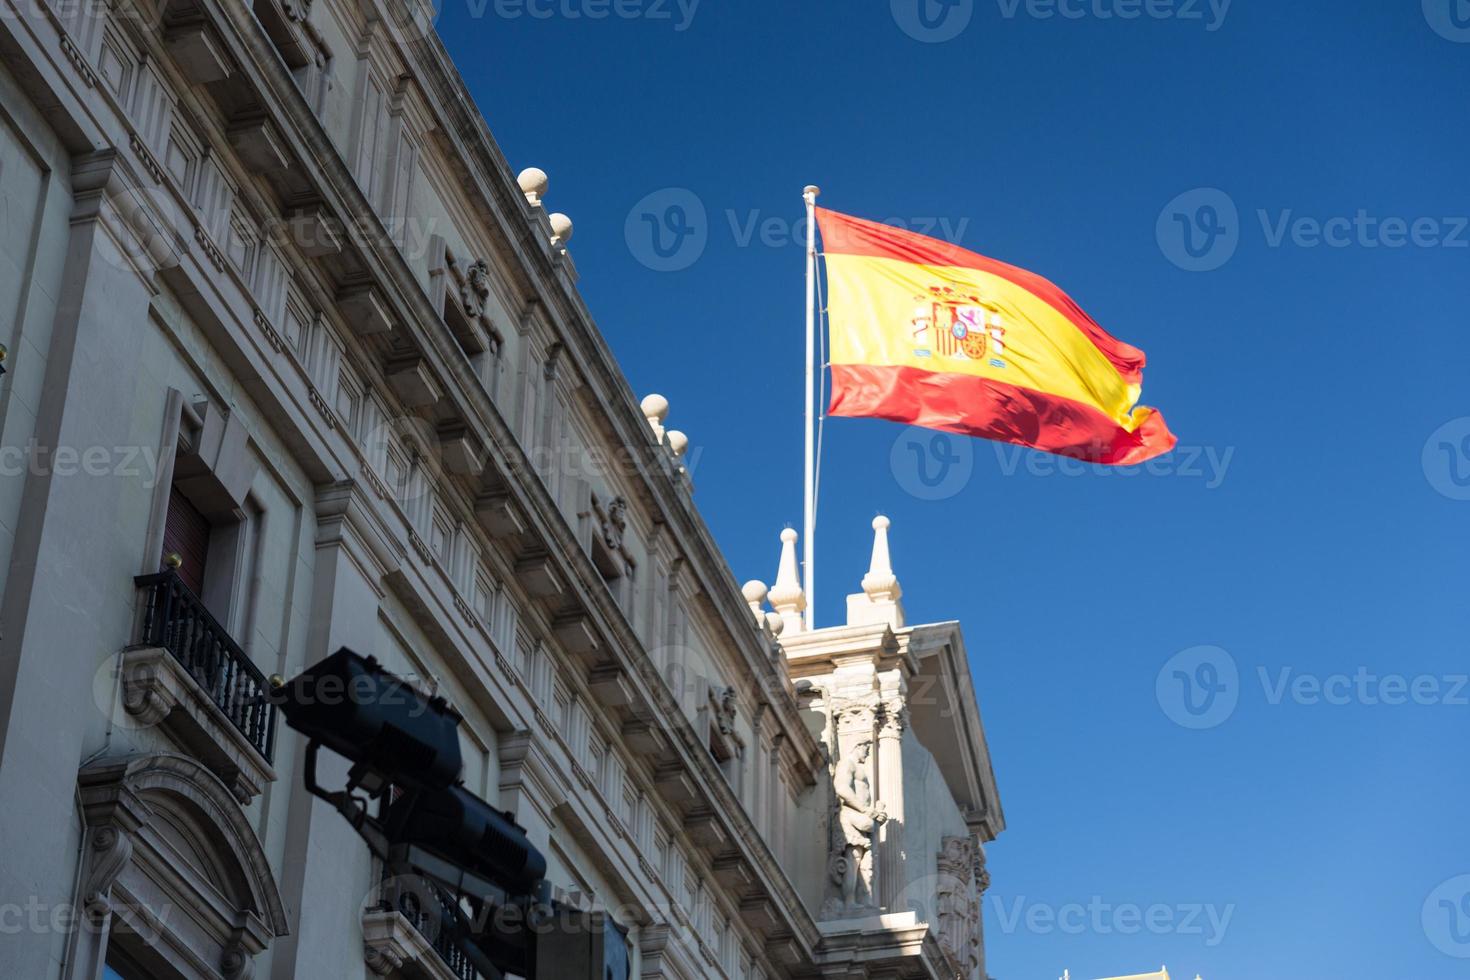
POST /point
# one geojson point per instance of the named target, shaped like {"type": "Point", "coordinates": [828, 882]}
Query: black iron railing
{"type": "Point", "coordinates": [431, 912]}
{"type": "Point", "coordinates": [176, 620]}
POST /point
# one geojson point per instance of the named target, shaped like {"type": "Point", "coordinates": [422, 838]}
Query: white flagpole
{"type": "Point", "coordinates": [810, 510]}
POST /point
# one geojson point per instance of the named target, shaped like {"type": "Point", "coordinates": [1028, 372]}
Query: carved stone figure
{"type": "Point", "coordinates": [957, 901]}
{"type": "Point", "coordinates": [297, 10]}
{"type": "Point", "coordinates": [725, 716]}
{"type": "Point", "coordinates": [474, 288]}
{"type": "Point", "coordinates": [858, 816]}
{"type": "Point", "coordinates": [615, 524]}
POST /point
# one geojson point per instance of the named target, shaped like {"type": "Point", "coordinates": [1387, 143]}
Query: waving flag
{"type": "Point", "coordinates": [930, 334]}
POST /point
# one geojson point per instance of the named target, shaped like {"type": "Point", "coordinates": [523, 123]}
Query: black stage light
{"type": "Point", "coordinates": [354, 707]}
{"type": "Point", "coordinates": [471, 834]}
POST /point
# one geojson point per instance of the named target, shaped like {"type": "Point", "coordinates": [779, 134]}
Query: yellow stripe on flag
{"type": "Point", "coordinates": [882, 303]}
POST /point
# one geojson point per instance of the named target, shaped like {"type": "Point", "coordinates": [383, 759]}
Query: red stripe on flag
{"type": "Point", "coordinates": [976, 406]}
{"type": "Point", "coordinates": [842, 234]}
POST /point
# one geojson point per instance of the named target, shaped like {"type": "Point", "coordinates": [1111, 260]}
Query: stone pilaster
{"type": "Point", "coordinates": [892, 722]}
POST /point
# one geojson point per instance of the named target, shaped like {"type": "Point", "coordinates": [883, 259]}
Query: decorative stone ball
{"type": "Point", "coordinates": [533, 180]}
{"type": "Point", "coordinates": [754, 591]}
{"type": "Point", "coordinates": [789, 535]}
{"type": "Point", "coordinates": [678, 442]}
{"type": "Point", "coordinates": [655, 407]}
{"type": "Point", "coordinates": [561, 227]}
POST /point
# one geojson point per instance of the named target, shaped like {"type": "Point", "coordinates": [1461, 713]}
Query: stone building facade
{"type": "Point", "coordinates": [295, 362]}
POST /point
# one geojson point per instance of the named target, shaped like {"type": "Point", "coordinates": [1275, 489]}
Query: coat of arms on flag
{"type": "Point", "coordinates": [926, 333]}
{"type": "Point", "coordinates": [955, 324]}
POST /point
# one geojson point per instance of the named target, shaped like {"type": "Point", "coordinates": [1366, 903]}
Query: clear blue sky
{"type": "Point", "coordinates": [1325, 545]}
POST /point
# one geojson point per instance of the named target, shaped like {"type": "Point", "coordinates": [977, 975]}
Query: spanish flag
{"type": "Point", "coordinates": [930, 334]}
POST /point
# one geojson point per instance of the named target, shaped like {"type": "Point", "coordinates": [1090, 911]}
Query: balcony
{"type": "Point", "coordinates": [188, 675]}
{"type": "Point", "coordinates": [414, 932]}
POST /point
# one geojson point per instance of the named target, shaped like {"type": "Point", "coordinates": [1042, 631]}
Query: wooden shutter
{"type": "Point", "coordinates": [187, 533]}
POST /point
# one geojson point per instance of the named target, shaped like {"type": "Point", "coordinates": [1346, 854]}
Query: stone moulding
{"type": "Point", "coordinates": [157, 690]}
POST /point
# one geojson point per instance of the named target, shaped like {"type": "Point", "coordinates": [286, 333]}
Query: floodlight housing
{"type": "Point", "coordinates": [354, 707]}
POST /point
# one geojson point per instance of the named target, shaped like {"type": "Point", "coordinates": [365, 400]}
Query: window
{"type": "Point", "coordinates": [211, 522]}
{"type": "Point", "coordinates": [186, 534]}
{"type": "Point", "coordinates": [396, 471]}
{"type": "Point", "coordinates": [349, 397]}
{"type": "Point", "coordinates": [597, 763]}
{"type": "Point", "coordinates": [216, 557]}
{"type": "Point", "coordinates": [296, 326]}
{"type": "Point", "coordinates": [441, 538]}
{"type": "Point", "coordinates": [560, 705]}
{"type": "Point", "coordinates": [119, 968]}
{"type": "Point", "coordinates": [173, 795]}
{"type": "Point", "coordinates": [505, 615]}
{"type": "Point", "coordinates": [485, 604]}
{"type": "Point", "coordinates": [239, 243]}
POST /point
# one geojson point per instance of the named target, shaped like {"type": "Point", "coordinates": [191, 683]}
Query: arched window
{"type": "Point", "coordinates": [175, 883]}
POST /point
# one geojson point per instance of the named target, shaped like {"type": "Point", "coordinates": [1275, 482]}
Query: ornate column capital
{"type": "Point", "coordinates": [893, 719]}
{"type": "Point", "coordinates": [855, 716]}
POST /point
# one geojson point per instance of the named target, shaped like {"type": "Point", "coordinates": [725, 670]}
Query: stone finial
{"type": "Point", "coordinates": [879, 600]}
{"type": "Point", "coordinates": [561, 229]}
{"type": "Point", "coordinates": [775, 623]}
{"type": "Point", "coordinates": [678, 442]}
{"type": "Point", "coordinates": [786, 596]}
{"type": "Point", "coordinates": [755, 596]}
{"type": "Point", "coordinates": [655, 410]}
{"type": "Point", "coordinates": [880, 583]}
{"type": "Point", "coordinates": [533, 181]}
